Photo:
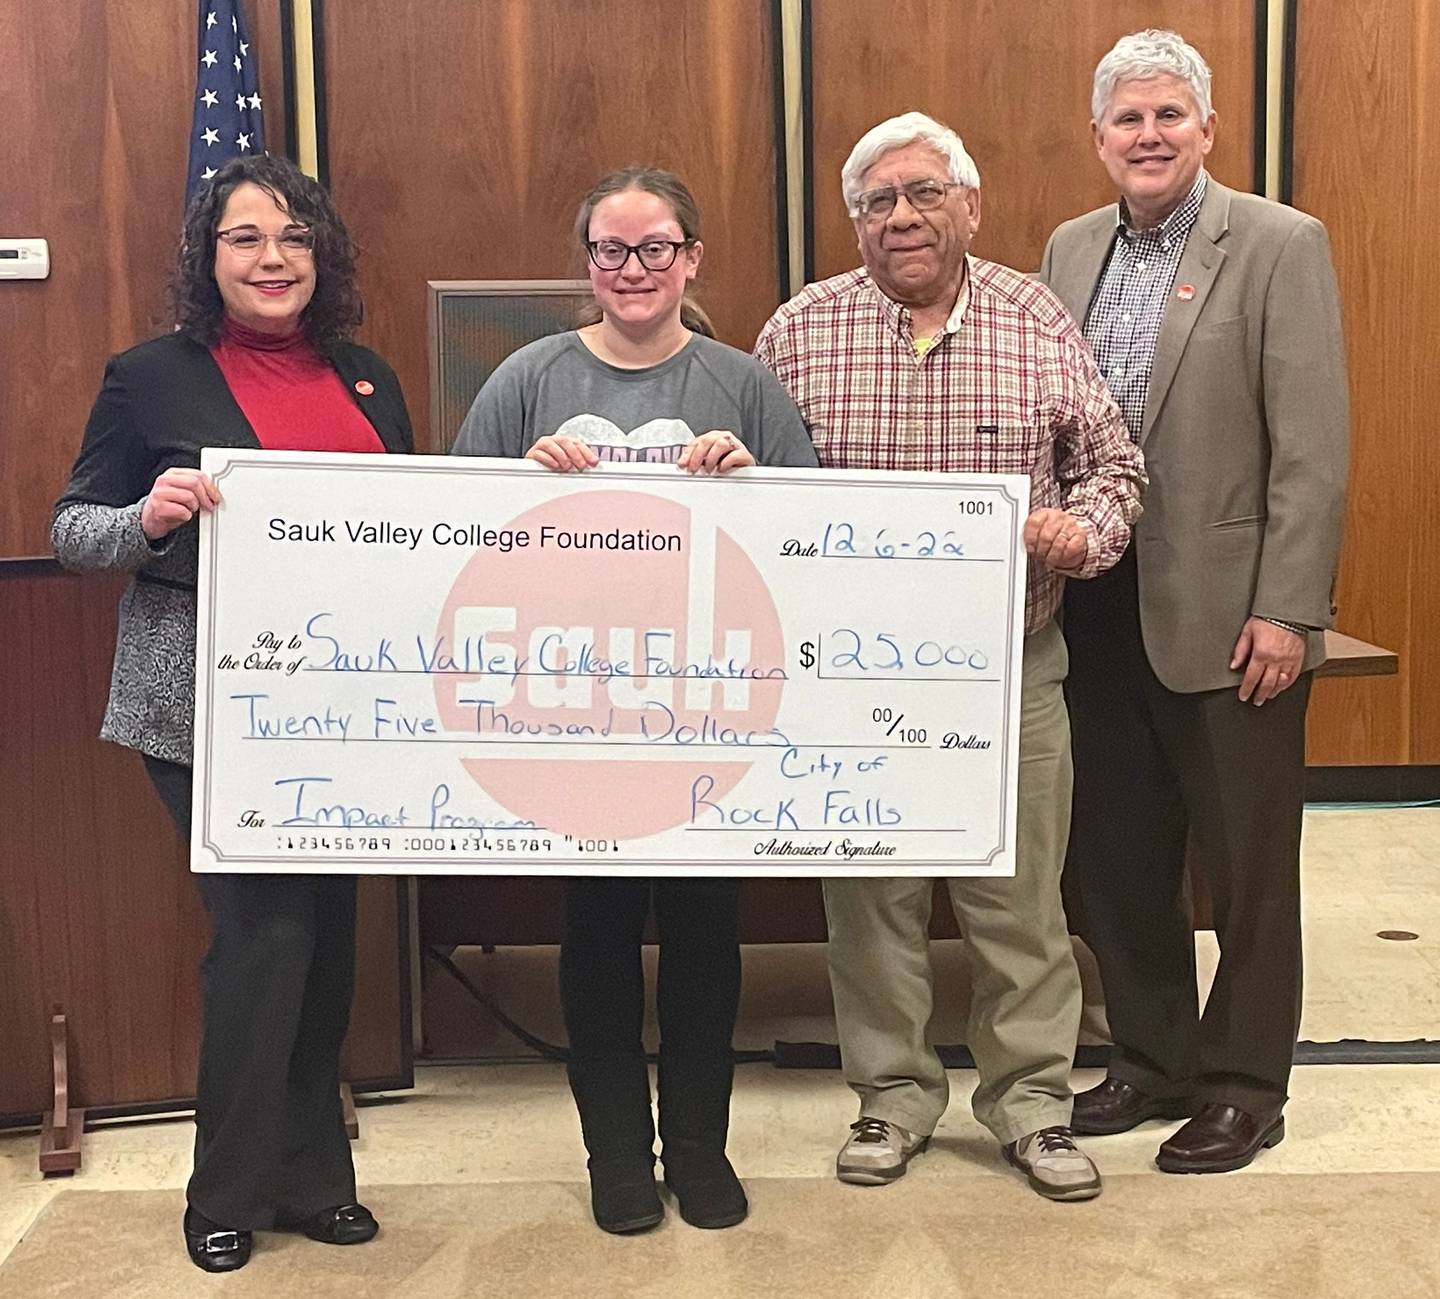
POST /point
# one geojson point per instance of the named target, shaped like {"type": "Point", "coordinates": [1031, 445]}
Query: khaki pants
{"type": "Point", "coordinates": [1025, 1007]}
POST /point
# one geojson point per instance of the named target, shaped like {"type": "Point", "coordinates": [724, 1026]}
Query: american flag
{"type": "Point", "coordinates": [227, 94]}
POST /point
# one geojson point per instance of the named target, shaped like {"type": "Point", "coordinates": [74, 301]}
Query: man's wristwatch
{"type": "Point", "coordinates": [1298, 628]}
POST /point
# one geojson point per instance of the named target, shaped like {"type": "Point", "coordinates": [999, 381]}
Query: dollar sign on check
{"type": "Point", "coordinates": [807, 654]}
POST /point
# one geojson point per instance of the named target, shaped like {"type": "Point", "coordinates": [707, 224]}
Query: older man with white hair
{"type": "Point", "coordinates": [1215, 319]}
{"type": "Point", "coordinates": [929, 358]}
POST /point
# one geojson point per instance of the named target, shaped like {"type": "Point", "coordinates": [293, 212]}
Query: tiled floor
{"type": "Point", "coordinates": [1364, 872]}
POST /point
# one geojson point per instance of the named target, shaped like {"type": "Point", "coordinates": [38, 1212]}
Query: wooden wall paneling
{"type": "Point", "coordinates": [98, 912]}
{"type": "Point", "coordinates": [463, 136]}
{"type": "Point", "coordinates": [1422, 427]}
{"type": "Point", "coordinates": [98, 915]}
{"type": "Point", "coordinates": [1014, 81]}
{"type": "Point", "coordinates": [490, 911]}
{"type": "Point", "coordinates": [93, 159]}
{"type": "Point", "coordinates": [1369, 64]}
{"type": "Point", "coordinates": [1423, 526]}
{"type": "Point", "coordinates": [378, 1048]}
{"type": "Point", "coordinates": [500, 911]}
{"type": "Point", "coordinates": [265, 31]}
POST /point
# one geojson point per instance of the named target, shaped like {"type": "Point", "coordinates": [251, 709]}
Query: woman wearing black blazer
{"type": "Point", "coordinates": [265, 302]}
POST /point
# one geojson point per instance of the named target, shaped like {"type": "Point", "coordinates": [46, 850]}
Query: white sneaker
{"type": "Point", "coordinates": [876, 1152]}
{"type": "Point", "coordinates": [1054, 1165]}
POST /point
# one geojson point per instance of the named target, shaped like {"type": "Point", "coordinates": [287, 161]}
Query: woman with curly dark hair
{"type": "Point", "coordinates": [265, 299]}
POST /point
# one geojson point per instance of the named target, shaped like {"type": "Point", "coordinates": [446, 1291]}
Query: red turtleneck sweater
{"type": "Point", "coordinates": [291, 394]}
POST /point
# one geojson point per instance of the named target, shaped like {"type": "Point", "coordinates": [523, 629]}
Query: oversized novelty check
{"type": "Point", "coordinates": [452, 666]}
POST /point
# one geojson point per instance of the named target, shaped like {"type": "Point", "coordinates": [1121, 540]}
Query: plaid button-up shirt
{"type": "Point", "coordinates": [1013, 390]}
{"type": "Point", "coordinates": [1123, 323]}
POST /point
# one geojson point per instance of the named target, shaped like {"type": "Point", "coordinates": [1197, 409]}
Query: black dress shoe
{"type": "Point", "coordinates": [213, 1248]}
{"type": "Point", "coordinates": [1219, 1139]}
{"type": "Point", "coordinates": [705, 1184]}
{"type": "Point", "coordinates": [1116, 1106]}
{"type": "Point", "coordinates": [345, 1224]}
{"type": "Point", "coordinates": [623, 1196]}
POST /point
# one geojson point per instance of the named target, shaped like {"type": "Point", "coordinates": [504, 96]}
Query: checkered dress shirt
{"type": "Point", "coordinates": [1013, 390]}
{"type": "Point", "coordinates": [1125, 314]}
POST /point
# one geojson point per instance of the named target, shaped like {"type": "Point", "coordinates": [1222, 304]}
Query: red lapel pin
{"type": "Point", "coordinates": [1185, 292]}
{"type": "Point", "coordinates": [364, 387]}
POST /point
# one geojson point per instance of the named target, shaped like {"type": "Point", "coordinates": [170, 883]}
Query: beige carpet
{"type": "Point", "coordinates": [1246, 1237]}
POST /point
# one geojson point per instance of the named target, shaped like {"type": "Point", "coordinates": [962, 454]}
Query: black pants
{"type": "Point", "coordinates": [1153, 770]}
{"type": "Point", "coordinates": [269, 1131]}
{"type": "Point", "coordinates": [602, 989]}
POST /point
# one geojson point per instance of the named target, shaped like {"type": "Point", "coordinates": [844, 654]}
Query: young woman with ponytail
{"type": "Point", "coordinates": [644, 379]}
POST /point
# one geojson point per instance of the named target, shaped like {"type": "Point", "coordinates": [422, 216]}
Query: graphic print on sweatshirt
{"type": "Point", "coordinates": [657, 441]}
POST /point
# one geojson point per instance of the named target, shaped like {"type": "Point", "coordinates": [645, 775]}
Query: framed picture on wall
{"type": "Point", "coordinates": [476, 324]}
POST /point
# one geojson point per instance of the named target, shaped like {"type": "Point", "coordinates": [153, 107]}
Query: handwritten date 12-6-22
{"type": "Point", "coordinates": [846, 541]}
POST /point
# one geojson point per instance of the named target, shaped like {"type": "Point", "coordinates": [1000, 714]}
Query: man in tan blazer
{"type": "Point", "coordinates": [1214, 317]}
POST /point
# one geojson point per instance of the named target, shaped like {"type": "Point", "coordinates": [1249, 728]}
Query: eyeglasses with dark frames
{"type": "Point", "coordinates": [924, 195]}
{"type": "Point", "coordinates": [247, 241]}
{"type": "Point", "coordinates": [654, 254]}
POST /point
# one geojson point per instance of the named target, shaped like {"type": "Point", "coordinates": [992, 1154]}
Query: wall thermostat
{"type": "Point", "coordinates": [24, 259]}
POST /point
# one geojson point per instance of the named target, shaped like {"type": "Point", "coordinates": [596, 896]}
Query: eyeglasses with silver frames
{"type": "Point", "coordinates": [247, 241]}
{"type": "Point", "coordinates": [924, 196]}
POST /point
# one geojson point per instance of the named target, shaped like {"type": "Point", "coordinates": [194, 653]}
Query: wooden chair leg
{"type": "Point", "coordinates": [347, 1104]}
{"type": "Point", "coordinates": [64, 1123]}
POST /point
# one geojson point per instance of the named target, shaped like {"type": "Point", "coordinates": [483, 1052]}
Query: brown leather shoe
{"type": "Point", "coordinates": [1219, 1139]}
{"type": "Point", "coordinates": [1116, 1106]}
